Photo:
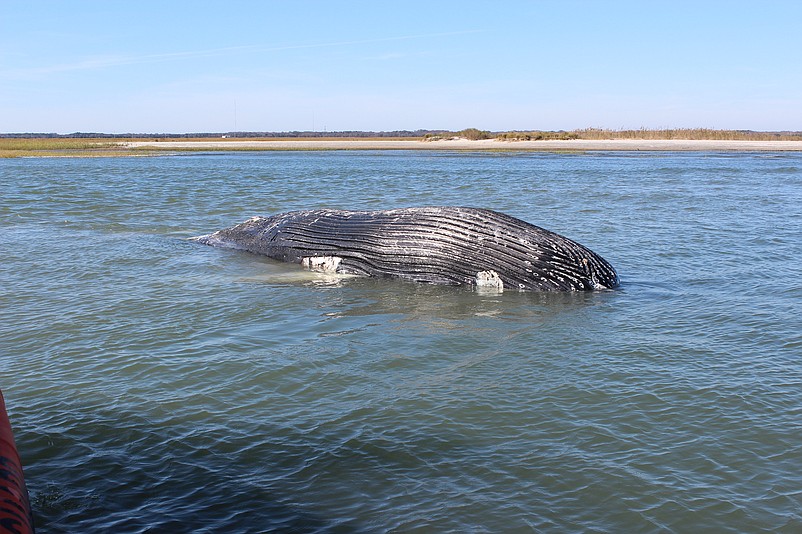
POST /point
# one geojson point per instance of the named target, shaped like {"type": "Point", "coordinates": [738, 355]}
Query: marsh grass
{"type": "Point", "coordinates": [20, 147]}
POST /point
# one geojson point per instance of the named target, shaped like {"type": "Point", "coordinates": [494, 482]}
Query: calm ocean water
{"type": "Point", "coordinates": [156, 385]}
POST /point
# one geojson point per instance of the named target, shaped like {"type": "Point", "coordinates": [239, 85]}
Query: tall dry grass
{"type": "Point", "coordinates": [653, 134]}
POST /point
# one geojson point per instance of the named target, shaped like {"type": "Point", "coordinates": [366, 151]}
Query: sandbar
{"type": "Point", "coordinates": [572, 145]}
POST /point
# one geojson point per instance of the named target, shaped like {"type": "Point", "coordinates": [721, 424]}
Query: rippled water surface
{"type": "Point", "coordinates": [163, 386]}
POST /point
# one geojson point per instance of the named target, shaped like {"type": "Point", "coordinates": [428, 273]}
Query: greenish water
{"type": "Point", "coordinates": [156, 385]}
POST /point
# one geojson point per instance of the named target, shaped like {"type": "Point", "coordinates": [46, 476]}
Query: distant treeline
{"type": "Point", "coordinates": [468, 133]}
{"type": "Point", "coordinates": [201, 135]}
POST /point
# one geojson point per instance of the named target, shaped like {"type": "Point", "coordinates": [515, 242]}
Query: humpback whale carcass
{"type": "Point", "coordinates": [437, 245]}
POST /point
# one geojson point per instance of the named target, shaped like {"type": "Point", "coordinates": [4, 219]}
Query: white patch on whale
{"type": "Point", "coordinates": [489, 280]}
{"type": "Point", "coordinates": [321, 264]}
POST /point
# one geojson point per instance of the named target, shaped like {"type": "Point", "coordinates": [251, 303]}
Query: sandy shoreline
{"type": "Point", "coordinates": [487, 144]}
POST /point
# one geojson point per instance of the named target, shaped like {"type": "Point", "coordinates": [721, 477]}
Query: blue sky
{"type": "Point", "coordinates": [196, 66]}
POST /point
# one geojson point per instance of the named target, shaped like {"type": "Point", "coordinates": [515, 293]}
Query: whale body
{"type": "Point", "coordinates": [436, 245]}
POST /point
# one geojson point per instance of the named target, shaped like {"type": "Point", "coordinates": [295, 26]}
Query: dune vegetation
{"type": "Point", "coordinates": [678, 133]}
{"type": "Point", "coordinates": [645, 134]}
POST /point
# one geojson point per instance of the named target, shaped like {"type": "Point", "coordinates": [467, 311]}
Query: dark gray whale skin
{"type": "Point", "coordinates": [437, 245]}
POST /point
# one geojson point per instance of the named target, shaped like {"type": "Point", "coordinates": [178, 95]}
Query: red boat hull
{"type": "Point", "coordinates": [15, 507]}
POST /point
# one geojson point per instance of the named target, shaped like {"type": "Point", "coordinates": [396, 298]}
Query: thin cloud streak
{"type": "Point", "coordinates": [105, 62]}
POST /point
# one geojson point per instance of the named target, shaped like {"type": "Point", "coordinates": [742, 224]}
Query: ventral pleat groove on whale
{"type": "Point", "coordinates": [437, 245]}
